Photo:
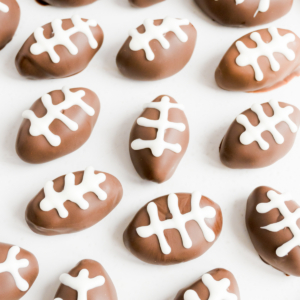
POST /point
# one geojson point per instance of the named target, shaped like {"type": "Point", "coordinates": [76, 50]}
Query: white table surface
{"type": "Point", "coordinates": [209, 110]}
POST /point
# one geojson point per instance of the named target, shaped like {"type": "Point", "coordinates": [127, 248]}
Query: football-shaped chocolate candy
{"type": "Point", "coordinates": [260, 61]}
{"type": "Point", "coordinates": [144, 3]}
{"type": "Point", "coordinates": [60, 49]}
{"type": "Point", "coordinates": [73, 202]}
{"type": "Point", "coordinates": [159, 139]}
{"type": "Point", "coordinates": [57, 124]}
{"type": "Point", "coordinates": [9, 20]}
{"type": "Point", "coordinates": [260, 136]}
{"type": "Point", "coordinates": [273, 223]}
{"type": "Point", "coordinates": [217, 284]}
{"type": "Point", "coordinates": [18, 271]}
{"type": "Point", "coordinates": [87, 281]}
{"type": "Point", "coordinates": [174, 228]}
{"type": "Point", "coordinates": [157, 49]}
{"type": "Point", "coordinates": [245, 12]}
{"type": "Point", "coordinates": [68, 3]}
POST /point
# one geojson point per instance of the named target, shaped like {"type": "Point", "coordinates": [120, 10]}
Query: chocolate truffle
{"type": "Point", "coordinates": [88, 280]}
{"type": "Point", "coordinates": [174, 228]}
{"type": "Point", "coordinates": [57, 124]}
{"type": "Point", "coordinates": [217, 284]}
{"type": "Point", "coordinates": [245, 13]}
{"type": "Point", "coordinates": [260, 61]}
{"type": "Point", "coordinates": [18, 271]}
{"type": "Point", "coordinates": [73, 202]}
{"type": "Point", "coordinates": [144, 3]}
{"type": "Point", "coordinates": [159, 139]}
{"type": "Point", "coordinates": [157, 49]}
{"type": "Point", "coordinates": [260, 136]}
{"type": "Point", "coordinates": [9, 20]}
{"type": "Point", "coordinates": [273, 223]}
{"type": "Point", "coordinates": [69, 3]}
{"type": "Point", "coordinates": [60, 49]}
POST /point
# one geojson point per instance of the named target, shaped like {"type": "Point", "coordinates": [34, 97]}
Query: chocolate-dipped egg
{"type": "Point", "coordinates": [88, 280]}
{"type": "Point", "coordinates": [144, 3]}
{"type": "Point", "coordinates": [273, 224]}
{"type": "Point", "coordinates": [9, 20]}
{"type": "Point", "coordinates": [174, 228]}
{"type": "Point", "coordinates": [69, 3]}
{"type": "Point", "coordinates": [73, 202]}
{"type": "Point", "coordinates": [159, 139]}
{"type": "Point", "coordinates": [260, 61]}
{"type": "Point", "coordinates": [157, 49]}
{"type": "Point", "coordinates": [18, 271]}
{"type": "Point", "coordinates": [59, 49]}
{"type": "Point", "coordinates": [57, 124]}
{"type": "Point", "coordinates": [245, 13]}
{"type": "Point", "coordinates": [217, 284]}
{"type": "Point", "coordinates": [260, 136]}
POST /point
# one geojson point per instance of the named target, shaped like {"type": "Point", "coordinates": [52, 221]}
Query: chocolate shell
{"type": "Point", "coordinates": [89, 280]}
{"type": "Point", "coordinates": [273, 224]}
{"type": "Point", "coordinates": [73, 202]}
{"type": "Point", "coordinates": [9, 20]}
{"type": "Point", "coordinates": [59, 49]}
{"type": "Point", "coordinates": [18, 271]}
{"type": "Point", "coordinates": [144, 3]}
{"type": "Point", "coordinates": [159, 234]}
{"type": "Point", "coordinates": [69, 3]}
{"type": "Point", "coordinates": [157, 49]}
{"type": "Point", "coordinates": [157, 147]}
{"type": "Point", "coordinates": [57, 124]}
{"type": "Point", "coordinates": [260, 61]}
{"type": "Point", "coordinates": [245, 13]}
{"type": "Point", "coordinates": [260, 136]}
{"type": "Point", "coordinates": [217, 284]}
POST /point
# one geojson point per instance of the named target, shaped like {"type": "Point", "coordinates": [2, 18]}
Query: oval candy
{"type": "Point", "coordinates": [57, 124]}
{"type": "Point", "coordinates": [245, 13]}
{"type": "Point", "coordinates": [9, 20]}
{"type": "Point", "coordinates": [73, 202]}
{"type": "Point", "coordinates": [260, 136]}
{"type": "Point", "coordinates": [68, 3]}
{"type": "Point", "coordinates": [144, 3]}
{"type": "Point", "coordinates": [157, 49]}
{"type": "Point", "coordinates": [59, 49]}
{"type": "Point", "coordinates": [88, 280]}
{"type": "Point", "coordinates": [18, 271]}
{"type": "Point", "coordinates": [217, 284]}
{"type": "Point", "coordinates": [174, 228]}
{"type": "Point", "coordinates": [159, 139]}
{"type": "Point", "coordinates": [260, 61]}
{"type": "Point", "coordinates": [273, 224]}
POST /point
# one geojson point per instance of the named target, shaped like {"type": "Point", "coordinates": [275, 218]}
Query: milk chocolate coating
{"type": "Point", "coordinates": [229, 76]}
{"type": "Point", "coordinates": [159, 169]}
{"type": "Point", "coordinates": [266, 242]}
{"type": "Point", "coordinates": [105, 292]}
{"type": "Point", "coordinates": [144, 3]}
{"type": "Point", "coordinates": [69, 3]}
{"type": "Point", "coordinates": [50, 223]}
{"type": "Point", "coordinates": [228, 13]}
{"type": "Point", "coordinates": [41, 66]}
{"type": "Point", "coordinates": [235, 155]}
{"type": "Point", "coordinates": [203, 292]}
{"type": "Point", "coordinates": [167, 62]}
{"type": "Point", "coordinates": [37, 149]}
{"type": "Point", "coordinates": [9, 22]}
{"type": "Point", "coordinates": [148, 249]}
{"type": "Point", "coordinates": [8, 288]}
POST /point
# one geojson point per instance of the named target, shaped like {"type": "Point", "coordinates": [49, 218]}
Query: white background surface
{"type": "Point", "coordinates": [209, 111]}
